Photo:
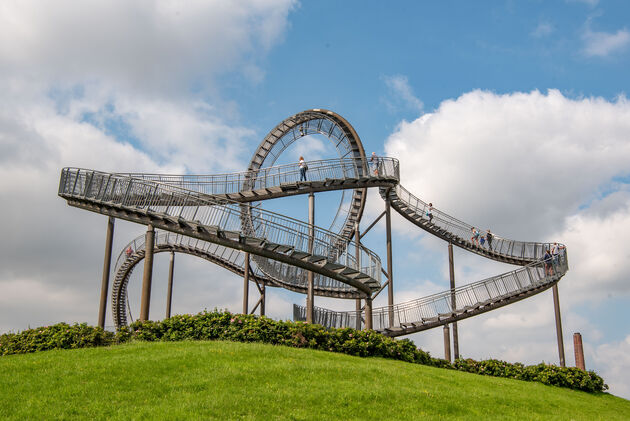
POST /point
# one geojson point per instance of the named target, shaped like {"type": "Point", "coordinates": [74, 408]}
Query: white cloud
{"type": "Point", "coordinates": [542, 30]}
{"type": "Point", "coordinates": [614, 360]}
{"type": "Point", "coordinates": [163, 46]}
{"type": "Point", "coordinates": [140, 97]}
{"type": "Point", "coordinates": [401, 94]}
{"type": "Point", "coordinates": [602, 44]}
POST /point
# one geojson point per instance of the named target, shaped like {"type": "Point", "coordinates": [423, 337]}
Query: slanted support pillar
{"type": "Point", "coordinates": [310, 294]}
{"type": "Point", "coordinates": [246, 284]}
{"type": "Point", "coordinates": [357, 240]}
{"type": "Point", "coordinates": [447, 344]}
{"type": "Point", "coordinates": [169, 292]}
{"type": "Point", "coordinates": [148, 273]}
{"type": "Point", "coordinates": [556, 308]}
{"type": "Point", "coordinates": [107, 262]}
{"type": "Point", "coordinates": [451, 269]}
{"type": "Point", "coordinates": [390, 269]}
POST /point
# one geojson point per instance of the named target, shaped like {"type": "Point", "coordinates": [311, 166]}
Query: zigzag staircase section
{"type": "Point", "coordinates": [207, 218]}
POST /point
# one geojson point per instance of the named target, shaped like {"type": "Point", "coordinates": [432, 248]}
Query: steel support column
{"type": "Point", "coordinates": [246, 284]}
{"type": "Point", "coordinates": [357, 306]}
{"type": "Point", "coordinates": [262, 299]}
{"type": "Point", "coordinates": [169, 292]}
{"type": "Point", "coordinates": [447, 344]}
{"type": "Point", "coordinates": [451, 269]}
{"type": "Point", "coordinates": [368, 313]}
{"type": "Point", "coordinates": [556, 309]}
{"type": "Point", "coordinates": [107, 262]}
{"type": "Point", "coordinates": [310, 294]}
{"type": "Point", "coordinates": [390, 269]}
{"type": "Point", "coordinates": [148, 273]}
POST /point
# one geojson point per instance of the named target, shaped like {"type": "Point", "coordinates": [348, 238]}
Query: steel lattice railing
{"type": "Point", "coordinates": [176, 202]}
{"type": "Point", "coordinates": [264, 178]}
{"type": "Point", "coordinates": [450, 303]}
{"type": "Point", "coordinates": [502, 246]}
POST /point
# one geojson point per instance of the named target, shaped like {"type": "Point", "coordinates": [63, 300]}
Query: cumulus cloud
{"type": "Point", "coordinates": [140, 97]}
{"type": "Point", "coordinates": [614, 360]}
{"type": "Point", "coordinates": [161, 46]}
{"type": "Point", "coordinates": [603, 44]}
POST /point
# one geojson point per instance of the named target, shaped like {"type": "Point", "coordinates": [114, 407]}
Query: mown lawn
{"type": "Point", "coordinates": [227, 380]}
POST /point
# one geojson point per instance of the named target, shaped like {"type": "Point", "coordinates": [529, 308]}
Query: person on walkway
{"type": "Point", "coordinates": [374, 164]}
{"type": "Point", "coordinates": [555, 252]}
{"type": "Point", "coordinates": [475, 236]}
{"type": "Point", "coordinates": [303, 168]}
{"type": "Point", "coordinates": [430, 212]}
{"type": "Point", "coordinates": [489, 239]}
{"type": "Point", "coordinates": [129, 252]}
{"type": "Point", "coordinates": [547, 259]}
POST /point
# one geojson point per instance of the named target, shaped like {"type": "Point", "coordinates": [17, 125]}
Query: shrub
{"type": "Point", "coordinates": [59, 336]}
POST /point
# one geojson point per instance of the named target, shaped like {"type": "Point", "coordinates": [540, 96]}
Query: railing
{"type": "Point", "coordinates": [510, 248]}
{"type": "Point", "coordinates": [273, 176]}
{"type": "Point", "coordinates": [452, 302]}
{"type": "Point", "coordinates": [177, 202]}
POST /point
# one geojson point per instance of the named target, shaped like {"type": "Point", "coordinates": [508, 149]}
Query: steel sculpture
{"type": "Point", "coordinates": [219, 218]}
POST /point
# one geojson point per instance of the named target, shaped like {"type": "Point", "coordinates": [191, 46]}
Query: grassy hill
{"type": "Point", "coordinates": [227, 380]}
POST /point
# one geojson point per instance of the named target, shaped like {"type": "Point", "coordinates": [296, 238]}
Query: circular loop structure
{"type": "Point", "coordinates": [347, 144]}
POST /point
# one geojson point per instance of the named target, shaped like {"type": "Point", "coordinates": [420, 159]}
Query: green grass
{"type": "Point", "coordinates": [226, 380]}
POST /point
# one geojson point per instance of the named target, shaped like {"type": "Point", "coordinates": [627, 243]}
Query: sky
{"type": "Point", "coordinates": [508, 115]}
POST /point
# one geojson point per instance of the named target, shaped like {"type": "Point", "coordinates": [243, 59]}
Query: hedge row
{"type": "Point", "coordinates": [59, 336]}
{"type": "Point", "coordinates": [217, 325]}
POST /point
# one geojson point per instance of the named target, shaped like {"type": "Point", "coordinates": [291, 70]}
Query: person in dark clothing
{"type": "Point", "coordinates": [547, 258]}
{"type": "Point", "coordinates": [489, 239]}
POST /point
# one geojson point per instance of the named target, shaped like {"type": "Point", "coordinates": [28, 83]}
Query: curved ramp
{"type": "Point", "coordinates": [230, 259]}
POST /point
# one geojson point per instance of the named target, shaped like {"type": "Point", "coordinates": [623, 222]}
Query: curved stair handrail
{"type": "Point", "coordinates": [282, 180]}
{"type": "Point", "coordinates": [228, 258]}
{"type": "Point", "coordinates": [451, 305]}
{"type": "Point", "coordinates": [459, 233]}
{"type": "Point", "coordinates": [202, 216]}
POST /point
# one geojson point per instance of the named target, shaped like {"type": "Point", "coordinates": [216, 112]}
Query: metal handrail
{"type": "Point", "coordinates": [525, 250]}
{"type": "Point", "coordinates": [177, 202]}
{"type": "Point", "coordinates": [264, 178]}
{"type": "Point", "coordinates": [441, 305]}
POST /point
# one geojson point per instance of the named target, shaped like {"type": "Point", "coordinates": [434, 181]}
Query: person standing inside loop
{"type": "Point", "coordinates": [303, 169]}
{"type": "Point", "coordinates": [374, 164]}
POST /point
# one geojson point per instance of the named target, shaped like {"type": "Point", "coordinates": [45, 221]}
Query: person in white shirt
{"type": "Point", "coordinates": [303, 168]}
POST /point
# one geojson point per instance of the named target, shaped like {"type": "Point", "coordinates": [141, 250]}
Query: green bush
{"type": "Point", "coordinates": [552, 375]}
{"type": "Point", "coordinates": [248, 328]}
{"type": "Point", "coordinates": [59, 336]}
